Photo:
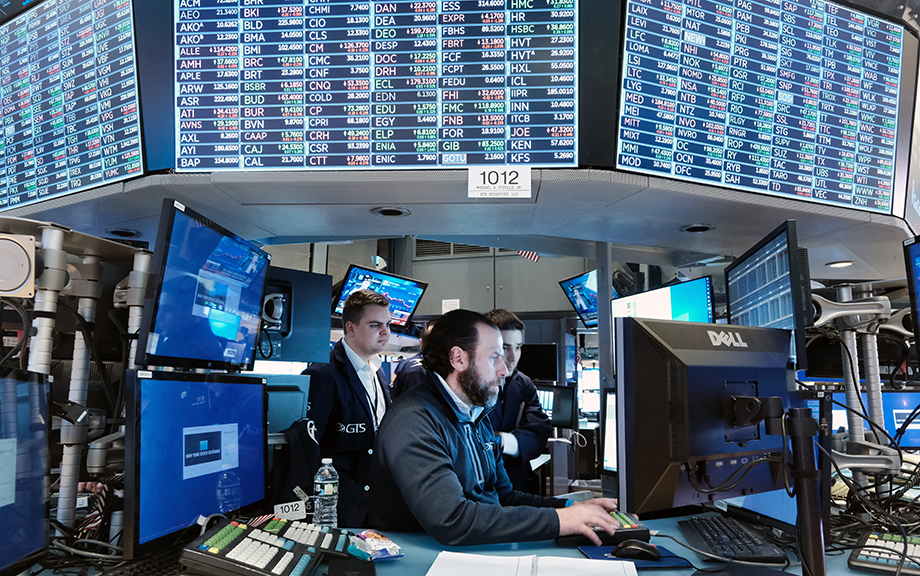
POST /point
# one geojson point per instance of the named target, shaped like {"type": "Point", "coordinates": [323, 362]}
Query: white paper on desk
{"type": "Point", "coordinates": [458, 564]}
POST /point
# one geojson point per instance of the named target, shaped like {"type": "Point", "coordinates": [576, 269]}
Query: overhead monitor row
{"type": "Point", "coordinates": [804, 100]}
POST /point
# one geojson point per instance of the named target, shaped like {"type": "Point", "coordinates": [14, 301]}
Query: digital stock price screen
{"type": "Point", "coordinates": [793, 98]}
{"type": "Point", "coordinates": [69, 99]}
{"type": "Point", "coordinates": [275, 84]}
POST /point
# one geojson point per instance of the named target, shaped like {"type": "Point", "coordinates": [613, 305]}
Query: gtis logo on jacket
{"type": "Point", "coordinates": [357, 428]}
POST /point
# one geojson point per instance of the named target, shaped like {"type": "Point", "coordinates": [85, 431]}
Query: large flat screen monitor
{"type": "Point", "coordinates": [676, 443]}
{"type": "Point", "coordinates": [901, 412]}
{"type": "Point", "coordinates": [25, 422]}
{"type": "Point", "coordinates": [540, 362]}
{"type": "Point", "coordinates": [373, 85]}
{"type": "Point", "coordinates": [769, 286]}
{"type": "Point", "coordinates": [204, 299]}
{"type": "Point", "coordinates": [403, 293]}
{"type": "Point", "coordinates": [912, 263]}
{"type": "Point", "coordinates": [689, 301]}
{"type": "Point", "coordinates": [581, 291]}
{"type": "Point", "coordinates": [798, 99]}
{"type": "Point", "coordinates": [195, 446]}
{"type": "Point", "coordinates": [68, 82]}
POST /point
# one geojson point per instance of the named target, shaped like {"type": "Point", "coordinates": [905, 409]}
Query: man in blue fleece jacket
{"type": "Point", "coordinates": [437, 465]}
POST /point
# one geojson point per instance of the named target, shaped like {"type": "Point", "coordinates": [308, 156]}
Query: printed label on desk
{"type": "Point", "coordinates": [291, 510]}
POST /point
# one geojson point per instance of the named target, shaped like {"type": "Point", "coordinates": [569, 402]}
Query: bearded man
{"type": "Point", "coordinates": [437, 465]}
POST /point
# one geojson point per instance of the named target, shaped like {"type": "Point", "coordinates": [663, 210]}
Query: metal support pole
{"type": "Point", "coordinates": [851, 385]}
{"type": "Point", "coordinates": [802, 429]}
{"type": "Point", "coordinates": [137, 287]}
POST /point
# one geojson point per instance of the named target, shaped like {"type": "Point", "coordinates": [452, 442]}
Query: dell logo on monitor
{"type": "Point", "coordinates": [726, 338]}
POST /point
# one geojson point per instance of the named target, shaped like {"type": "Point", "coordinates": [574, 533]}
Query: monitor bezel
{"type": "Point", "coordinates": [155, 286]}
{"type": "Point", "coordinates": [340, 298]}
{"type": "Point", "coordinates": [23, 562]}
{"type": "Point", "coordinates": [795, 275]}
{"type": "Point", "coordinates": [132, 547]}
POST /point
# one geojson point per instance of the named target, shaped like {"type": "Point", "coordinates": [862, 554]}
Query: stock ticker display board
{"type": "Point", "coordinates": [69, 99]}
{"type": "Point", "coordinates": [325, 84]}
{"type": "Point", "coordinates": [795, 98]}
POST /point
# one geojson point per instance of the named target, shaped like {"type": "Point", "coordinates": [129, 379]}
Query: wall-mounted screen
{"type": "Point", "coordinates": [68, 84]}
{"type": "Point", "coordinates": [803, 99]}
{"type": "Point", "coordinates": [334, 85]}
{"type": "Point", "coordinates": [403, 293]}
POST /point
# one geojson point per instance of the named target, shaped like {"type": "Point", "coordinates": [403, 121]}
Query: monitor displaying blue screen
{"type": "Point", "coordinates": [23, 465]}
{"type": "Point", "coordinates": [195, 446]}
{"type": "Point", "coordinates": [912, 263]}
{"type": "Point", "coordinates": [404, 294]}
{"type": "Point", "coordinates": [581, 291]}
{"type": "Point", "coordinates": [897, 406]}
{"type": "Point", "coordinates": [207, 307]}
{"type": "Point", "coordinates": [689, 301]}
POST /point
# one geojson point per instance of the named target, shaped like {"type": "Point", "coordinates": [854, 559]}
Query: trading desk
{"type": "Point", "coordinates": [421, 550]}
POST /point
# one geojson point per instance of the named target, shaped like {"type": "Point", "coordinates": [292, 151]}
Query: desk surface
{"type": "Point", "coordinates": [421, 550]}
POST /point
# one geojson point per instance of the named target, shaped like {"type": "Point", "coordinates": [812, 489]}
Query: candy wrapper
{"type": "Point", "coordinates": [373, 546]}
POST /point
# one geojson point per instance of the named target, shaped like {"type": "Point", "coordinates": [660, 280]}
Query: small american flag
{"type": "Point", "coordinates": [532, 256]}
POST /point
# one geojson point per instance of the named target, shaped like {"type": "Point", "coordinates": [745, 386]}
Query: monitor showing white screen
{"type": "Point", "coordinates": [689, 301]}
{"type": "Point", "coordinates": [609, 431]}
{"type": "Point", "coordinates": [68, 82]}
{"type": "Point", "coordinates": [370, 85]}
{"type": "Point", "coordinates": [804, 99]}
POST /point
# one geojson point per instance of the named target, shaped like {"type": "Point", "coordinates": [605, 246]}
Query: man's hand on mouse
{"type": "Point", "coordinates": [583, 517]}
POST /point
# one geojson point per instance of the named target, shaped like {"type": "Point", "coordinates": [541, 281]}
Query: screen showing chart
{"type": "Point", "coordinates": [68, 84]}
{"type": "Point", "coordinates": [333, 85]}
{"type": "Point", "coordinates": [794, 98]}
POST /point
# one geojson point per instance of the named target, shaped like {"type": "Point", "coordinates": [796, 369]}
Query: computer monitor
{"type": "Point", "coordinates": [675, 432]}
{"type": "Point", "coordinates": [194, 446]}
{"type": "Point", "coordinates": [295, 316]}
{"type": "Point", "coordinates": [540, 362]}
{"type": "Point", "coordinates": [912, 264]}
{"type": "Point", "coordinates": [769, 286]}
{"type": "Point", "coordinates": [559, 404]}
{"type": "Point", "coordinates": [204, 298]}
{"type": "Point", "coordinates": [287, 400]}
{"type": "Point", "coordinates": [581, 291]}
{"type": "Point", "coordinates": [403, 293]}
{"type": "Point", "coordinates": [897, 408]}
{"type": "Point", "coordinates": [689, 301]}
{"type": "Point", "coordinates": [25, 423]}
{"type": "Point", "coordinates": [609, 464]}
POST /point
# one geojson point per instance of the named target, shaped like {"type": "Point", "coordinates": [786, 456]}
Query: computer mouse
{"type": "Point", "coordinates": [636, 550]}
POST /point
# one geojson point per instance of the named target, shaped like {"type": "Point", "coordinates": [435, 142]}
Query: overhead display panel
{"type": "Point", "coordinates": [68, 84]}
{"type": "Point", "coordinates": [794, 98]}
{"type": "Point", "coordinates": [281, 84]}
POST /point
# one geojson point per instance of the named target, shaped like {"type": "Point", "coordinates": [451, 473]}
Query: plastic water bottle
{"type": "Point", "coordinates": [326, 490]}
{"type": "Point", "coordinates": [229, 494]}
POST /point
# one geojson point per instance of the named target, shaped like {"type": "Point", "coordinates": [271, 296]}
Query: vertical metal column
{"type": "Point", "coordinates": [851, 386]}
{"type": "Point", "coordinates": [137, 287]}
{"type": "Point", "coordinates": [73, 436]}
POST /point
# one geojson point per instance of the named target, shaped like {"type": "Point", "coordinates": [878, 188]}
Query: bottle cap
{"type": "Point", "coordinates": [327, 460]}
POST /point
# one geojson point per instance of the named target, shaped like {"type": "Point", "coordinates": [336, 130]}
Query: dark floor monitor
{"type": "Point", "coordinates": [675, 434]}
{"type": "Point", "coordinates": [194, 446]}
{"type": "Point", "coordinates": [25, 423]}
{"type": "Point", "coordinates": [559, 403]}
{"type": "Point", "coordinates": [295, 316]}
{"type": "Point", "coordinates": [769, 286]}
{"type": "Point", "coordinates": [540, 362]}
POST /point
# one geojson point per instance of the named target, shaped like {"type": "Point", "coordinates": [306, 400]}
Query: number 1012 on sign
{"type": "Point", "coordinates": [504, 182]}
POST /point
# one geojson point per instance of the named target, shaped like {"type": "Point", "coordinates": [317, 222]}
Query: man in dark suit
{"type": "Point", "coordinates": [518, 419]}
{"type": "Point", "coordinates": [348, 398]}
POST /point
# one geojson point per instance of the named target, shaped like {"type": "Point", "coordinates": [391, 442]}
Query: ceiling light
{"type": "Point", "coordinates": [390, 211]}
{"type": "Point", "coordinates": [840, 264]}
{"type": "Point", "coordinates": [123, 232]}
{"type": "Point", "coordinates": [697, 228]}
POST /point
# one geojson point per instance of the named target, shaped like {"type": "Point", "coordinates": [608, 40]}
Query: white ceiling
{"type": "Point", "coordinates": [569, 212]}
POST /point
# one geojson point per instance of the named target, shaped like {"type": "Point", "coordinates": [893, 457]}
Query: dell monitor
{"type": "Point", "coordinates": [581, 291]}
{"type": "Point", "coordinates": [25, 423]}
{"type": "Point", "coordinates": [204, 298]}
{"type": "Point", "coordinates": [195, 445]}
{"type": "Point", "coordinates": [677, 444]}
{"type": "Point", "coordinates": [769, 286]}
{"type": "Point", "coordinates": [403, 293]}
